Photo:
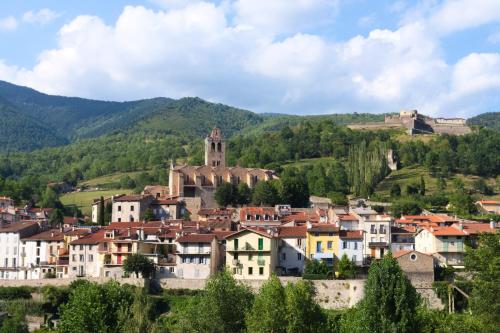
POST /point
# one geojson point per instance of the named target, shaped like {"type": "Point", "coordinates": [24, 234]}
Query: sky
{"type": "Point", "coordinates": [283, 56]}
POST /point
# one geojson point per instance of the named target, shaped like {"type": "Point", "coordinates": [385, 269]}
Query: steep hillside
{"type": "Point", "coordinates": [489, 120]}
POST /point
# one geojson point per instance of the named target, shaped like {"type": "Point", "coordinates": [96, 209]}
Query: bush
{"type": "Point", "coordinates": [8, 293]}
{"type": "Point", "coordinates": [311, 276]}
{"type": "Point", "coordinates": [50, 275]}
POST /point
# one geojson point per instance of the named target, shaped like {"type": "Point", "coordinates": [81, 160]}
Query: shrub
{"type": "Point", "coordinates": [8, 293]}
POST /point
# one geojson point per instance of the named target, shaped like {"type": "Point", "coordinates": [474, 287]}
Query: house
{"type": "Point", "coordinates": [377, 232]}
{"type": "Point", "coordinates": [85, 259]}
{"type": "Point", "coordinates": [252, 253]}
{"type": "Point", "coordinates": [10, 246]}
{"type": "Point", "coordinates": [320, 202]}
{"type": "Point", "coordinates": [446, 244]}
{"type": "Point", "coordinates": [198, 256]}
{"type": "Point", "coordinates": [292, 249]}
{"type": "Point", "coordinates": [96, 204]}
{"type": "Point", "coordinates": [351, 244]}
{"type": "Point", "coordinates": [489, 206]}
{"type": "Point", "coordinates": [301, 216]}
{"type": "Point", "coordinates": [439, 220]}
{"type": "Point", "coordinates": [158, 191]}
{"type": "Point", "coordinates": [166, 209]}
{"type": "Point", "coordinates": [474, 229]}
{"type": "Point", "coordinates": [6, 203]}
{"type": "Point", "coordinates": [44, 253]}
{"type": "Point", "coordinates": [322, 242]}
{"type": "Point", "coordinates": [130, 208]}
{"type": "Point", "coordinates": [346, 221]}
{"type": "Point", "coordinates": [70, 222]}
{"type": "Point", "coordinates": [417, 266]}
{"type": "Point", "coordinates": [403, 238]}
{"type": "Point", "coordinates": [221, 214]}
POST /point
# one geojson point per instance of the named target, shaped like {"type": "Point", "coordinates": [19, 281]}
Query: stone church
{"type": "Point", "coordinates": [196, 184]}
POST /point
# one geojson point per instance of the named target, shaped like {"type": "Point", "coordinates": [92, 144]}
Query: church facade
{"type": "Point", "coordinates": [196, 184]}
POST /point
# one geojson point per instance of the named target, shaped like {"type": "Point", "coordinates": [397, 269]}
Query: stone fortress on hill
{"type": "Point", "coordinates": [196, 184]}
{"type": "Point", "coordinates": [417, 123]}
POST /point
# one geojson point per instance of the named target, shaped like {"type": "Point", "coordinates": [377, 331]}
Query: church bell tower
{"type": "Point", "coordinates": [215, 149]}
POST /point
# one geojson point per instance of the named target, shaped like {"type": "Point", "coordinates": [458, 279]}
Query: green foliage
{"type": "Point", "coordinates": [390, 301]}
{"type": "Point", "coordinates": [484, 265]}
{"type": "Point", "coordinates": [139, 263]}
{"type": "Point", "coordinates": [405, 206]}
{"type": "Point", "coordinates": [462, 204]}
{"type": "Point", "coordinates": [139, 317]}
{"type": "Point", "coordinates": [303, 314]}
{"type": "Point", "coordinates": [9, 293]}
{"type": "Point", "coordinates": [56, 218]}
{"type": "Point", "coordinates": [346, 268]}
{"type": "Point", "coordinates": [50, 199]}
{"type": "Point", "coordinates": [225, 194]}
{"type": "Point", "coordinates": [95, 308]}
{"type": "Point", "coordinates": [315, 267]}
{"type": "Point", "coordinates": [14, 324]}
{"type": "Point", "coordinates": [243, 193]}
{"type": "Point", "coordinates": [489, 120]}
{"type": "Point", "coordinates": [148, 215]}
{"type": "Point", "coordinates": [100, 212]}
{"type": "Point", "coordinates": [267, 313]}
{"type": "Point", "coordinates": [293, 188]}
{"type": "Point", "coordinates": [481, 186]}
{"type": "Point", "coordinates": [395, 191]}
{"type": "Point", "coordinates": [265, 193]}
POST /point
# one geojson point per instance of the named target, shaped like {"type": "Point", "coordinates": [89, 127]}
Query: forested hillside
{"type": "Point", "coordinates": [489, 120]}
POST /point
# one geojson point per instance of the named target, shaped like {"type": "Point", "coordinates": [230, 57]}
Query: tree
{"type": "Point", "coordinates": [441, 184]}
{"type": "Point", "coordinates": [50, 199]}
{"type": "Point", "coordinates": [14, 324]}
{"type": "Point", "coordinates": [224, 194]}
{"type": "Point", "coordinates": [244, 193]}
{"type": "Point", "coordinates": [346, 268]}
{"type": "Point", "coordinates": [390, 301]}
{"type": "Point", "coordinates": [56, 218]}
{"type": "Point", "coordinates": [481, 186]}
{"type": "Point", "coordinates": [411, 189]}
{"type": "Point", "coordinates": [100, 219]}
{"type": "Point", "coordinates": [316, 267]}
{"type": "Point", "coordinates": [138, 318]}
{"type": "Point", "coordinates": [484, 265]}
{"type": "Point", "coordinates": [303, 313]}
{"type": "Point", "coordinates": [395, 191]}
{"type": "Point", "coordinates": [421, 188]}
{"type": "Point", "coordinates": [221, 307]}
{"type": "Point", "coordinates": [461, 203]}
{"type": "Point", "coordinates": [139, 263]}
{"type": "Point", "coordinates": [293, 189]}
{"type": "Point", "coordinates": [268, 313]}
{"type": "Point", "coordinates": [108, 213]}
{"type": "Point", "coordinates": [95, 307]}
{"type": "Point", "coordinates": [405, 206]}
{"type": "Point", "coordinates": [148, 215]}
{"type": "Point", "coordinates": [265, 194]}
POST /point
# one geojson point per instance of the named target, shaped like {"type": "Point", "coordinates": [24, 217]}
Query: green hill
{"type": "Point", "coordinates": [489, 120]}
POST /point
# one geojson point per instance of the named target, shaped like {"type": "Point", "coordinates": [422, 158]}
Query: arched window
{"type": "Point", "coordinates": [219, 147]}
{"type": "Point", "coordinates": [213, 146]}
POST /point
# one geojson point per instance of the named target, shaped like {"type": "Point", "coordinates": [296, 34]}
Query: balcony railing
{"type": "Point", "coordinates": [378, 244]}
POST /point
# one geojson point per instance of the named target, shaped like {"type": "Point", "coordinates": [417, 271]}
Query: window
{"type": "Point", "coordinates": [354, 258]}
{"type": "Point", "coordinates": [236, 256]}
{"type": "Point", "coordinates": [250, 270]}
{"type": "Point", "coordinates": [299, 256]}
{"type": "Point", "coordinates": [284, 256]}
{"type": "Point", "coordinates": [250, 257]}
{"type": "Point", "coordinates": [119, 208]}
{"type": "Point", "coordinates": [183, 260]}
{"type": "Point", "coordinates": [373, 229]}
{"type": "Point", "coordinates": [413, 256]}
{"type": "Point", "coordinates": [132, 208]}
{"type": "Point", "coordinates": [261, 244]}
{"type": "Point", "coordinates": [38, 251]}
{"type": "Point", "coordinates": [74, 247]}
{"type": "Point", "coordinates": [344, 245]}
{"type": "Point", "coordinates": [329, 244]}
{"type": "Point", "coordinates": [266, 217]}
{"type": "Point", "coordinates": [119, 219]}
{"type": "Point", "coordinates": [131, 219]}
{"type": "Point", "coordinates": [236, 244]}
{"type": "Point", "coordinates": [6, 262]}
{"type": "Point", "coordinates": [13, 262]}
{"type": "Point", "coordinates": [51, 250]}
{"type": "Point", "coordinates": [330, 234]}
{"type": "Point", "coordinates": [81, 247]}
{"type": "Point", "coordinates": [299, 242]}
{"type": "Point", "coordinates": [73, 257]}
{"type": "Point", "coordinates": [355, 245]}
{"type": "Point", "coordinates": [261, 270]}
{"type": "Point", "coordinates": [82, 258]}
{"type": "Point", "coordinates": [257, 217]}
{"type": "Point", "coordinates": [171, 269]}
{"type": "Point", "coordinates": [91, 257]}
{"type": "Point", "coordinates": [275, 217]}
{"type": "Point", "coordinates": [91, 247]}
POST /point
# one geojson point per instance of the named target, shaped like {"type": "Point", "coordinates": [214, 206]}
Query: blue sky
{"type": "Point", "coordinates": [290, 56]}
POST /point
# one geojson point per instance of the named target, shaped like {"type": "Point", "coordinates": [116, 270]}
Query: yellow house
{"type": "Point", "coordinates": [252, 253]}
{"type": "Point", "coordinates": [322, 242]}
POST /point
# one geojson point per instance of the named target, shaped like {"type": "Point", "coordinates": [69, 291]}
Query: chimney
{"type": "Point", "coordinates": [128, 231]}
{"type": "Point", "coordinates": [197, 226]}
{"type": "Point", "coordinates": [52, 234]}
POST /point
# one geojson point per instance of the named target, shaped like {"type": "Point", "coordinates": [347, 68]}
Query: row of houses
{"type": "Point", "coordinates": [252, 242]}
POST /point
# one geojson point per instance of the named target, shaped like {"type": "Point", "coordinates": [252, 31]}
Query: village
{"type": "Point", "coordinates": [252, 242]}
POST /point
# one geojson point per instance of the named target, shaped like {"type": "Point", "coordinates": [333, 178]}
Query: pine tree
{"type": "Point", "coordinates": [100, 212]}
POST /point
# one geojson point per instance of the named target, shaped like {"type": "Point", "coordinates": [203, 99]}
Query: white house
{"type": "Point", "coordinates": [197, 256]}
{"type": "Point", "coordinates": [10, 247]}
{"type": "Point", "coordinates": [377, 232]}
{"type": "Point", "coordinates": [130, 208]}
{"type": "Point", "coordinates": [446, 244]}
{"type": "Point", "coordinates": [43, 253]}
{"type": "Point", "coordinates": [292, 250]}
{"type": "Point", "coordinates": [84, 257]}
{"type": "Point", "coordinates": [351, 244]}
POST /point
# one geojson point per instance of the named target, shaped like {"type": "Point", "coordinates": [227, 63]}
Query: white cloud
{"type": "Point", "coordinates": [42, 16]}
{"type": "Point", "coordinates": [226, 56]}
{"type": "Point", "coordinates": [8, 23]}
{"type": "Point", "coordinates": [494, 38]}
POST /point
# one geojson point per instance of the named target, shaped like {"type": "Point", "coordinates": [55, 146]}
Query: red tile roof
{"type": "Point", "coordinates": [401, 253]}
{"type": "Point", "coordinates": [445, 231]}
{"type": "Point", "coordinates": [489, 202]}
{"type": "Point", "coordinates": [260, 231]}
{"type": "Point", "coordinates": [18, 226]}
{"type": "Point", "coordinates": [196, 238]}
{"type": "Point", "coordinates": [70, 220]}
{"type": "Point", "coordinates": [351, 234]}
{"type": "Point", "coordinates": [292, 232]}
{"type": "Point", "coordinates": [137, 197]}
{"type": "Point", "coordinates": [92, 239]}
{"type": "Point", "coordinates": [215, 211]}
{"type": "Point", "coordinates": [347, 217]}
{"type": "Point", "coordinates": [476, 228]}
{"type": "Point", "coordinates": [165, 202]}
{"type": "Point", "coordinates": [54, 235]}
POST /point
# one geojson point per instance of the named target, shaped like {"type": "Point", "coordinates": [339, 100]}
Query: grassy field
{"type": "Point", "coordinates": [108, 180]}
{"type": "Point", "coordinates": [411, 175]}
{"type": "Point", "coordinates": [308, 161]}
{"type": "Point", "coordinates": [83, 200]}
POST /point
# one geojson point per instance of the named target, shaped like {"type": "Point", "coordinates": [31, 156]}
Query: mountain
{"type": "Point", "coordinates": [489, 120]}
{"type": "Point", "coordinates": [35, 120]}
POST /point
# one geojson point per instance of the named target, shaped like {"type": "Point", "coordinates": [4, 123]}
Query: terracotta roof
{"type": "Point", "coordinates": [476, 228]}
{"type": "Point", "coordinates": [165, 202]}
{"type": "Point", "coordinates": [71, 220]}
{"type": "Point", "coordinates": [429, 218]}
{"type": "Point", "coordinates": [215, 211]}
{"type": "Point", "coordinates": [445, 231]}
{"type": "Point", "coordinates": [18, 226]}
{"type": "Point", "coordinates": [92, 239]}
{"type": "Point", "coordinates": [5, 198]}
{"type": "Point", "coordinates": [77, 232]}
{"type": "Point", "coordinates": [301, 217]}
{"type": "Point", "coordinates": [196, 238]}
{"type": "Point", "coordinates": [400, 230]}
{"type": "Point", "coordinates": [293, 232]}
{"type": "Point", "coordinates": [260, 231]}
{"type": "Point", "coordinates": [401, 253]}
{"type": "Point", "coordinates": [222, 234]}
{"type": "Point", "coordinates": [351, 234]}
{"type": "Point", "coordinates": [347, 217]}
{"type": "Point", "coordinates": [489, 202]}
{"type": "Point", "coordinates": [49, 235]}
{"type": "Point", "coordinates": [323, 228]}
